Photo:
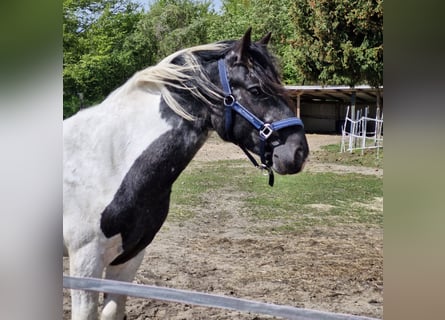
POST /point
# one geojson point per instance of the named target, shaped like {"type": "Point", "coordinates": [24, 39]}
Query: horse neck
{"type": "Point", "coordinates": [171, 142]}
{"type": "Point", "coordinates": [160, 164]}
{"type": "Point", "coordinates": [163, 161]}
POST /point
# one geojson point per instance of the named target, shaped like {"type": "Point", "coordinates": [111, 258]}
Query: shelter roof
{"type": "Point", "coordinates": [364, 93]}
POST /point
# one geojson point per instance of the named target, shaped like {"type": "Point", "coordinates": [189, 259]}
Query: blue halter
{"type": "Point", "coordinates": [265, 130]}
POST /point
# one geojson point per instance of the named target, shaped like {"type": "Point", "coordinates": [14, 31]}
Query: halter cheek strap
{"type": "Point", "coordinates": [265, 130]}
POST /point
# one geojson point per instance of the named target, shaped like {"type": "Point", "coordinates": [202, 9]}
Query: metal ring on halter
{"type": "Point", "coordinates": [229, 100]}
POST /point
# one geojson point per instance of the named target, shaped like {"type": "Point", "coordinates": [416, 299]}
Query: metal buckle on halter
{"type": "Point", "coordinates": [265, 170]}
{"type": "Point", "coordinates": [266, 131]}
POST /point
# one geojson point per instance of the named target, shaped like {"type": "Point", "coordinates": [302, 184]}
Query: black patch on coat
{"type": "Point", "coordinates": [140, 205]}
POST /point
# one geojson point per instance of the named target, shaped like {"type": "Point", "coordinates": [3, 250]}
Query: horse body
{"type": "Point", "coordinates": [122, 157]}
{"type": "Point", "coordinates": [139, 162]}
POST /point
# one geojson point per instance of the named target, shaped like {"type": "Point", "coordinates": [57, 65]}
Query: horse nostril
{"type": "Point", "coordinates": [299, 153]}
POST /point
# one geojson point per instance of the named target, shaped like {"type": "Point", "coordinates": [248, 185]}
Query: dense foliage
{"type": "Point", "coordinates": [317, 41]}
{"type": "Point", "coordinates": [339, 41]}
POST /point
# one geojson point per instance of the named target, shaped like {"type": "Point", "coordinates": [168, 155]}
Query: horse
{"type": "Point", "coordinates": [122, 156]}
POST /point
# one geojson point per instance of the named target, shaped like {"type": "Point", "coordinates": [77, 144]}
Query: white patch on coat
{"type": "Point", "coordinates": [100, 145]}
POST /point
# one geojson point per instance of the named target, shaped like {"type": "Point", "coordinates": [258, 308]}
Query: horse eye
{"type": "Point", "coordinates": [255, 90]}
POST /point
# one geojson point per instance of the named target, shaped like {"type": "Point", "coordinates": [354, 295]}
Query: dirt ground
{"type": "Point", "coordinates": [336, 269]}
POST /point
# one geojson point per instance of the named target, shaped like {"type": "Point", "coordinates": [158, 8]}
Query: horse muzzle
{"type": "Point", "coordinates": [290, 158]}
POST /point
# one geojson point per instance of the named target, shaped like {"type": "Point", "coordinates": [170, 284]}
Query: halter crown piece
{"type": "Point", "coordinates": [265, 130]}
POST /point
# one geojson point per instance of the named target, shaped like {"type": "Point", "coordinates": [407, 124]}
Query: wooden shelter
{"type": "Point", "coordinates": [323, 108]}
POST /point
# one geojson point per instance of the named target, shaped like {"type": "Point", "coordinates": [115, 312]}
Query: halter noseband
{"type": "Point", "coordinates": [265, 130]}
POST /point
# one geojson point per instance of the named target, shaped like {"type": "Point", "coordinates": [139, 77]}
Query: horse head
{"type": "Point", "coordinates": [258, 115]}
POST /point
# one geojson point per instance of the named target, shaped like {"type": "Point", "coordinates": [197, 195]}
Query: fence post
{"type": "Point", "coordinates": [353, 118]}
{"type": "Point", "coordinates": [364, 129]}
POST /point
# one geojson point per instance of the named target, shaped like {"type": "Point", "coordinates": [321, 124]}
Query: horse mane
{"type": "Point", "coordinates": [182, 70]}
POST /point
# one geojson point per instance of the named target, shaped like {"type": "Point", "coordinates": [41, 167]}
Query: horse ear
{"type": "Point", "coordinates": [243, 45]}
{"type": "Point", "coordinates": [265, 40]}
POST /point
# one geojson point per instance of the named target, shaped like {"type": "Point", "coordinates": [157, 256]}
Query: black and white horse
{"type": "Point", "coordinates": [122, 156]}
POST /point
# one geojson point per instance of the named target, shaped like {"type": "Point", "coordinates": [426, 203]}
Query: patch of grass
{"type": "Point", "coordinates": [294, 203]}
{"type": "Point", "coordinates": [331, 154]}
{"type": "Point", "coordinates": [321, 198]}
{"type": "Point", "coordinates": [190, 189]}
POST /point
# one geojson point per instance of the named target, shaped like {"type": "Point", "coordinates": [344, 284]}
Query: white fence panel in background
{"type": "Point", "coordinates": [355, 134]}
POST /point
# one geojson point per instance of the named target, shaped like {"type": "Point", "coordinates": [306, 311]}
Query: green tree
{"type": "Point", "coordinates": [171, 25]}
{"type": "Point", "coordinates": [338, 41]}
{"type": "Point", "coordinates": [317, 41]}
{"type": "Point", "coordinates": [98, 52]}
{"type": "Point", "coordinates": [106, 41]}
{"type": "Point", "coordinates": [263, 16]}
